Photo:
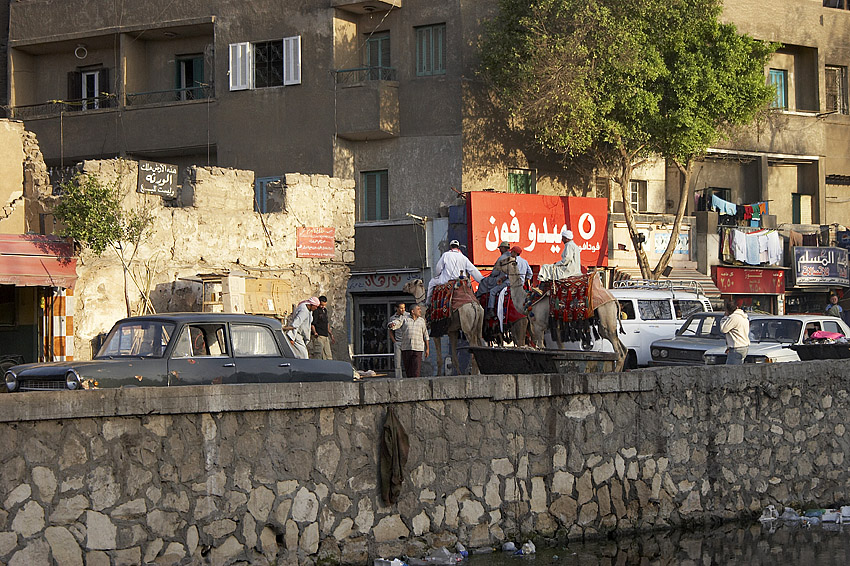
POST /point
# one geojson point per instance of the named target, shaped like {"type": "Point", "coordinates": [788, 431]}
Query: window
{"type": "Point", "coordinates": [654, 309]}
{"type": "Point", "coordinates": [90, 87]}
{"type": "Point", "coordinates": [265, 64]}
{"type": "Point", "coordinates": [200, 340]}
{"type": "Point", "coordinates": [190, 77]}
{"type": "Point", "coordinates": [431, 50]}
{"type": "Point", "coordinates": [836, 89]}
{"type": "Point", "coordinates": [378, 56]}
{"type": "Point", "coordinates": [261, 193]}
{"type": "Point", "coordinates": [522, 181]}
{"type": "Point", "coordinates": [779, 79]}
{"type": "Point", "coordinates": [252, 340]}
{"type": "Point", "coordinates": [375, 191]}
{"type": "Point", "coordinates": [685, 308]}
{"type": "Point", "coordinates": [832, 326]}
{"type": "Point", "coordinates": [840, 4]}
{"type": "Point", "coordinates": [801, 208]}
{"type": "Point", "coordinates": [637, 195]}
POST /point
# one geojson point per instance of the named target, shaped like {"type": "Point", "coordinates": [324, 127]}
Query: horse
{"type": "Point", "coordinates": [469, 318]}
{"type": "Point", "coordinates": [608, 314]}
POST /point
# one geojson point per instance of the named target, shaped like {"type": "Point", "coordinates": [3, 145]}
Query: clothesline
{"type": "Point", "coordinates": [752, 212]}
{"type": "Point", "coordinates": [753, 248]}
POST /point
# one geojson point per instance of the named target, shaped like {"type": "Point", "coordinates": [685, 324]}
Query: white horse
{"type": "Point", "coordinates": [608, 314]}
{"type": "Point", "coordinates": [469, 318]}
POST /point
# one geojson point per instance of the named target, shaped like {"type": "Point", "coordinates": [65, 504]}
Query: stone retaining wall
{"type": "Point", "coordinates": [288, 473]}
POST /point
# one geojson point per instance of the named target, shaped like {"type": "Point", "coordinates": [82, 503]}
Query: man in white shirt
{"type": "Point", "coordinates": [452, 265]}
{"type": "Point", "coordinates": [736, 326]}
{"type": "Point", "coordinates": [570, 256]}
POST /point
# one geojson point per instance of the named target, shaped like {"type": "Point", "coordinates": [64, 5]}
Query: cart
{"type": "Point", "coordinates": [524, 360]}
{"type": "Point", "coordinates": [818, 351]}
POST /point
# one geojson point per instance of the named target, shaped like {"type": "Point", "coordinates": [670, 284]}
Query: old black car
{"type": "Point", "coordinates": [183, 349]}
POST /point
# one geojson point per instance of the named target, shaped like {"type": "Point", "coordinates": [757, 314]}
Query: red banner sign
{"type": "Point", "coordinates": [314, 242]}
{"type": "Point", "coordinates": [748, 280]}
{"type": "Point", "coordinates": [534, 223]}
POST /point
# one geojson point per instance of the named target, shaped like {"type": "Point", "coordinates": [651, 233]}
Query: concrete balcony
{"type": "Point", "coordinates": [365, 6]}
{"type": "Point", "coordinates": [367, 104]}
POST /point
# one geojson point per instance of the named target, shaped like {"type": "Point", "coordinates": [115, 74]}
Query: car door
{"type": "Point", "coordinates": [201, 355]}
{"type": "Point", "coordinates": [656, 322]}
{"type": "Point", "coordinates": [257, 355]}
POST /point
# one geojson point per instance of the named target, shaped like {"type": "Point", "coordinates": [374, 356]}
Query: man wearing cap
{"type": "Point", "coordinates": [302, 320]}
{"type": "Point", "coordinates": [522, 267]}
{"type": "Point", "coordinates": [571, 255]}
{"type": "Point", "coordinates": [452, 265]}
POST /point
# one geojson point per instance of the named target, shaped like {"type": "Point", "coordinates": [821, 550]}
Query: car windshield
{"type": "Point", "coordinates": [786, 331]}
{"type": "Point", "coordinates": [701, 327]}
{"type": "Point", "coordinates": [146, 338]}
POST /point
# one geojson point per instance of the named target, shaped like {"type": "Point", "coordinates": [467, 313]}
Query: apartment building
{"type": "Point", "coordinates": [387, 93]}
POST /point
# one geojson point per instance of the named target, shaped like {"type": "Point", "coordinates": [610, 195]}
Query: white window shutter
{"type": "Point", "coordinates": [292, 60]}
{"type": "Point", "coordinates": [241, 66]}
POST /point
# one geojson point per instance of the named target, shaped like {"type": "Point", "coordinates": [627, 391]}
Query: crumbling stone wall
{"type": "Point", "coordinates": [211, 227]}
{"type": "Point", "coordinates": [289, 473]}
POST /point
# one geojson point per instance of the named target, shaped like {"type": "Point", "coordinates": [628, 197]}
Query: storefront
{"type": "Point", "coordinates": [817, 272]}
{"type": "Point", "coordinates": [37, 274]}
{"type": "Point", "coordinates": [752, 288]}
{"type": "Point", "coordinates": [373, 300]}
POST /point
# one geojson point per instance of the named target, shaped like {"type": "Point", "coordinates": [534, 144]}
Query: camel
{"type": "Point", "coordinates": [469, 318]}
{"type": "Point", "coordinates": [538, 314]}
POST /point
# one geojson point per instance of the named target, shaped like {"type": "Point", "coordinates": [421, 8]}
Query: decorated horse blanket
{"type": "Point", "coordinates": [572, 303]}
{"type": "Point", "coordinates": [496, 329]}
{"type": "Point", "coordinates": [445, 299]}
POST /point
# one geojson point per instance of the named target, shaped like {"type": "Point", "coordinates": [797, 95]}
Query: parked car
{"type": "Point", "coordinates": [772, 336]}
{"type": "Point", "coordinates": [699, 333]}
{"type": "Point", "coordinates": [183, 349]}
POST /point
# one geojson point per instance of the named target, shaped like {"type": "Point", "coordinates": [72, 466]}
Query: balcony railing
{"type": "Point", "coordinates": [56, 107]}
{"type": "Point", "coordinates": [363, 74]}
{"type": "Point", "coordinates": [174, 95]}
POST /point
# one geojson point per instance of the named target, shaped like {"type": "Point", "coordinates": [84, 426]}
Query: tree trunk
{"type": "Point", "coordinates": [664, 261]}
{"type": "Point", "coordinates": [624, 179]}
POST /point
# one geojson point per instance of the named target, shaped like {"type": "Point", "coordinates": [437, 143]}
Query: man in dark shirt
{"type": "Point", "coordinates": [323, 337]}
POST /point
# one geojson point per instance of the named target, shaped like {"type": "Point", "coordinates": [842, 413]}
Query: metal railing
{"type": "Point", "coordinates": [173, 95]}
{"type": "Point", "coordinates": [380, 363]}
{"type": "Point", "coordinates": [661, 285]}
{"type": "Point", "coordinates": [363, 74]}
{"type": "Point", "coordinates": [56, 107]}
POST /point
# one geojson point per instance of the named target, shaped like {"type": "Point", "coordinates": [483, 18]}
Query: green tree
{"type": "Point", "coordinates": [618, 82]}
{"type": "Point", "coordinates": [93, 214]}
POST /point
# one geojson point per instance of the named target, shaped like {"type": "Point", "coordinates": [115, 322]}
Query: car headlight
{"type": "Point", "coordinates": [11, 382]}
{"type": "Point", "coordinates": [72, 380]}
{"type": "Point", "coordinates": [711, 359]}
{"type": "Point", "coordinates": [758, 360]}
{"type": "Point", "coordinates": [655, 353]}
{"type": "Point", "coordinates": [664, 353]}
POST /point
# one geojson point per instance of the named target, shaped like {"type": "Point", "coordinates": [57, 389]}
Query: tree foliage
{"type": "Point", "coordinates": [620, 81]}
{"type": "Point", "coordinates": [93, 213]}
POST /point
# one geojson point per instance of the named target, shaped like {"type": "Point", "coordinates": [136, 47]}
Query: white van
{"type": "Point", "coordinates": [650, 310]}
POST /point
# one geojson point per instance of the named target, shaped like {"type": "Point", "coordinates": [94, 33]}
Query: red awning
{"type": "Point", "coordinates": [28, 260]}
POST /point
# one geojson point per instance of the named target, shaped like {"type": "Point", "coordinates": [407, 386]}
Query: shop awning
{"type": "Point", "coordinates": [28, 260]}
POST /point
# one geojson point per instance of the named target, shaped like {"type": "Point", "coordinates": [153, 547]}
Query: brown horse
{"type": "Point", "coordinates": [608, 314]}
{"type": "Point", "coordinates": [469, 318]}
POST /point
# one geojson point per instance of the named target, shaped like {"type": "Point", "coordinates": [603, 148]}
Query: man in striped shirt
{"type": "Point", "coordinates": [413, 336]}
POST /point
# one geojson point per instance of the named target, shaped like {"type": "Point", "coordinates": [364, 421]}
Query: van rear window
{"type": "Point", "coordinates": [685, 308]}
{"type": "Point", "coordinates": [654, 309]}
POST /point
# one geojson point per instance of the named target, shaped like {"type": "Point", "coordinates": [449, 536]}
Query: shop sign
{"type": "Point", "coordinates": [314, 242]}
{"type": "Point", "coordinates": [534, 223]}
{"type": "Point", "coordinates": [748, 280]}
{"type": "Point", "coordinates": [157, 179]}
{"type": "Point", "coordinates": [821, 266]}
{"type": "Point", "coordinates": [381, 282]}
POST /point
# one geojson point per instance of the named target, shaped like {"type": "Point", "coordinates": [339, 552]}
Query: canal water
{"type": "Point", "coordinates": [734, 544]}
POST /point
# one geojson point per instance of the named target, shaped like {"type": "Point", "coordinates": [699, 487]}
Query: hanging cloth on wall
{"type": "Point", "coordinates": [395, 448]}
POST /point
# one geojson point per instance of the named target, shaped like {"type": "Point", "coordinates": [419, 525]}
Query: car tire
{"type": "Point", "coordinates": [631, 360]}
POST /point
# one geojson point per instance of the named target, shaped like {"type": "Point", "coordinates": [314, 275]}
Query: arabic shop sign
{"type": "Point", "coordinates": [157, 179]}
{"type": "Point", "coordinates": [748, 280]}
{"type": "Point", "coordinates": [821, 266]}
{"type": "Point", "coordinates": [314, 242]}
{"type": "Point", "coordinates": [534, 223]}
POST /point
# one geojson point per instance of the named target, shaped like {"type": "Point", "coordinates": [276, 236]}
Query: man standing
{"type": "Point", "coordinates": [396, 320]}
{"type": "Point", "coordinates": [522, 267]}
{"type": "Point", "coordinates": [322, 333]}
{"type": "Point", "coordinates": [302, 320]}
{"type": "Point", "coordinates": [452, 265]}
{"type": "Point", "coordinates": [833, 308]}
{"type": "Point", "coordinates": [414, 341]}
{"type": "Point", "coordinates": [571, 255]}
{"type": "Point", "coordinates": [736, 326]}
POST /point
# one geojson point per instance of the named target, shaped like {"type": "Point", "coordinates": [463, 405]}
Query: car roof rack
{"type": "Point", "coordinates": [661, 285]}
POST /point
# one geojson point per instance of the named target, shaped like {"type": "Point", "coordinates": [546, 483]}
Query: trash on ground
{"type": "Point", "coordinates": [439, 557]}
{"type": "Point", "coordinates": [385, 562]}
{"type": "Point", "coordinates": [509, 547]}
{"type": "Point", "coordinates": [528, 548]}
